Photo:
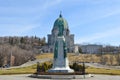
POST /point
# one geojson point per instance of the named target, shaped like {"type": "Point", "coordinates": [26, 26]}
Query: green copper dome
{"type": "Point", "coordinates": [61, 22]}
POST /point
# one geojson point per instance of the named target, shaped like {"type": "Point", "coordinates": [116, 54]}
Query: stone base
{"type": "Point", "coordinates": [61, 70]}
{"type": "Point", "coordinates": [61, 77]}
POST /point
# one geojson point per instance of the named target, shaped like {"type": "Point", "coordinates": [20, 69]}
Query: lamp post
{"type": "Point", "coordinates": [83, 69]}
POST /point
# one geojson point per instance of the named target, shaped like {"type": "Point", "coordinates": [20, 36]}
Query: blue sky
{"type": "Point", "coordinates": [92, 21]}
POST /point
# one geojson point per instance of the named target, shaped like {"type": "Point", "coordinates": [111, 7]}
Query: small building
{"type": "Point", "coordinates": [76, 49]}
{"type": "Point", "coordinates": [91, 48]}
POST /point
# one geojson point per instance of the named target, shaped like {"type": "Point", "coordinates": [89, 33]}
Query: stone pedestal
{"type": "Point", "coordinates": [60, 63]}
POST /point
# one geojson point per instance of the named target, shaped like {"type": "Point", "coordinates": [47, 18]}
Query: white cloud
{"type": "Point", "coordinates": [113, 12]}
{"type": "Point", "coordinates": [26, 28]}
{"type": "Point", "coordinates": [12, 30]}
{"type": "Point", "coordinates": [32, 9]}
{"type": "Point", "coordinates": [51, 3]}
{"type": "Point", "coordinates": [92, 14]}
{"type": "Point", "coordinates": [100, 35]}
{"type": "Point", "coordinates": [17, 20]}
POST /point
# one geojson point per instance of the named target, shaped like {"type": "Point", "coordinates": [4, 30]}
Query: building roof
{"type": "Point", "coordinates": [60, 22]}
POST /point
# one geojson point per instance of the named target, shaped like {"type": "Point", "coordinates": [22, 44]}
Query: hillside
{"type": "Point", "coordinates": [18, 50]}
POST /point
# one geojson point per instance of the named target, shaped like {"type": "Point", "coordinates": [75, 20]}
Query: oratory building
{"type": "Point", "coordinates": [61, 23]}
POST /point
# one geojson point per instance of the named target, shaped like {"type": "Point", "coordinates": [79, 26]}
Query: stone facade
{"type": "Point", "coordinates": [91, 48]}
{"type": "Point", "coordinates": [61, 22]}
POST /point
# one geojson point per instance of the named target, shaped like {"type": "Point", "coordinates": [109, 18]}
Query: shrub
{"type": "Point", "coordinates": [78, 68]}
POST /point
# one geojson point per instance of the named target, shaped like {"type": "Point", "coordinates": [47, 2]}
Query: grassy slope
{"type": "Point", "coordinates": [92, 70]}
{"type": "Point", "coordinates": [32, 69]}
{"type": "Point", "coordinates": [45, 55]}
{"type": "Point", "coordinates": [24, 70]}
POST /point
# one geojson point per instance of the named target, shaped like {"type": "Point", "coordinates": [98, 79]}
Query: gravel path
{"type": "Point", "coordinates": [25, 77]}
{"type": "Point", "coordinates": [97, 65]}
{"type": "Point", "coordinates": [29, 63]}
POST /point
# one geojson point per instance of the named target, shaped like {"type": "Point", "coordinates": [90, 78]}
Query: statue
{"type": "Point", "coordinates": [56, 50]}
{"type": "Point", "coordinates": [61, 31]}
{"type": "Point", "coordinates": [60, 61]}
{"type": "Point", "coordinates": [65, 50]}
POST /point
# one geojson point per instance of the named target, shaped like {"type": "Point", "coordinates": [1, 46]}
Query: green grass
{"type": "Point", "coordinates": [45, 55]}
{"type": "Point", "coordinates": [92, 70]}
{"type": "Point", "coordinates": [32, 69]}
{"type": "Point", "coordinates": [24, 70]}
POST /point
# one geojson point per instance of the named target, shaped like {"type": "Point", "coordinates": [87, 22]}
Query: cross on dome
{"type": "Point", "coordinates": [60, 14]}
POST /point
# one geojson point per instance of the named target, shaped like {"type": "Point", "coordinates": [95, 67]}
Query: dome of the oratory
{"type": "Point", "coordinates": [60, 22]}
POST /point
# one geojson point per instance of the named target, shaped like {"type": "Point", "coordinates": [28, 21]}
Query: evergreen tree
{"type": "Point", "coordinates": [38, 67]}
{"type": "Point", "coordinates": [22, 40]}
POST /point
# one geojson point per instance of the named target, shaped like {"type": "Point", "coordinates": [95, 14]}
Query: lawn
{"type": "Point", "coordinates": [45, 55]}
{"type": "Point", "coordinates": [24, 70]}
{"type": "Point", "coordinates": [92, 70]}
{"type": "Point", "coordinates": [72, 58]}
{"type": "Point", "coordinates": [32, 69]}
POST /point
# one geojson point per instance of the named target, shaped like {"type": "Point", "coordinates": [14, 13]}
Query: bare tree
{"type": "Point", "coordinates": [111, 59]}
{"type": "Point", "coordinates": [117, 56]}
